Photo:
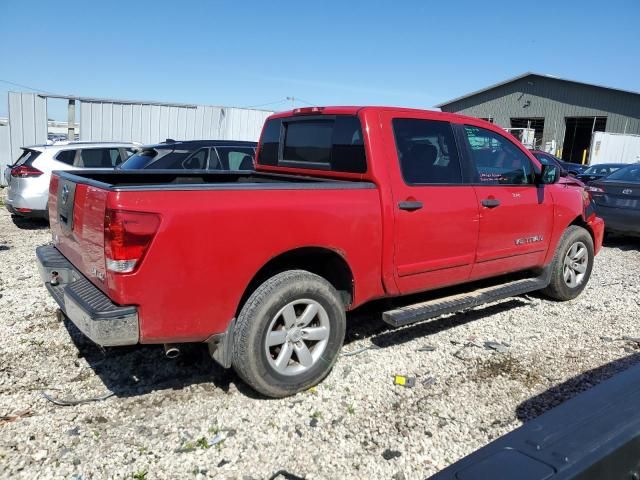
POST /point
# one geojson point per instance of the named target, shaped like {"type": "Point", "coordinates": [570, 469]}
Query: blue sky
{"type": "Point", "coordinates": [409, 53]}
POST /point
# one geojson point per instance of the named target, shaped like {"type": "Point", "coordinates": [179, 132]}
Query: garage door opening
{"type": "Point", "coordinates": [577, 137]}
{"type": "Point", "coordinates": [536, 123]}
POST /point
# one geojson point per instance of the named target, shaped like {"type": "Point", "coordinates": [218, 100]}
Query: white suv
{"type": "Point", "coordinates": [28, 178]}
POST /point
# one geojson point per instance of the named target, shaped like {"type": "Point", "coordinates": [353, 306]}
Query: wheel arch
{"type": "Point", "coordinates": [322, 261]}
{"type": "Point", "coordinates": [580, 222]}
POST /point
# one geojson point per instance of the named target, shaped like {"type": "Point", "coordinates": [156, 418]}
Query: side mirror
{"type": "Point", "coordinates": [550, 174]}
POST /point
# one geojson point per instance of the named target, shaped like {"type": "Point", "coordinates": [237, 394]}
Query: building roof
{"type": "Point", "coordinates": [530, 74]}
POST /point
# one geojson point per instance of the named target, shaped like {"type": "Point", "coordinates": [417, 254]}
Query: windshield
{"type": "Point", "coordinates": [627, 174]}
{"type": "Point", "coordinates": [602, 169]}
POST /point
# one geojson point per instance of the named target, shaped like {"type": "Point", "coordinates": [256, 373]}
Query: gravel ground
{"type": "Point", "coordinates": [166, 417]}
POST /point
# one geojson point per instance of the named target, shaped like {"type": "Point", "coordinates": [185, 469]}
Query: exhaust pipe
{"type": "Point", "coordinates": [171, 351]}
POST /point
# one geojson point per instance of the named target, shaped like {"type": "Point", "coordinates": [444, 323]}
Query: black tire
{"type": "Point", "coordinates": [250, 359]}
{"type": "Point", "coordinates": [558, 288]}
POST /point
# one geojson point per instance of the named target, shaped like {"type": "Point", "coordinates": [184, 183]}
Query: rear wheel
{"type": "Point", "coordinates": [289, 333]}
{"type": "Point", "coordinates": [571, 265]}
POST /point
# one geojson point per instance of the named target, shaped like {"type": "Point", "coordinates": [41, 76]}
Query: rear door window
{"type": "Point", "coordinates": [427, 152]}
{"type": "Point", "coordinates": [197, 161]}
{"type": "Point", "coordinates": [497, 160]}
{"type": "Point", "coordinates": [331, 143]}
{"type": "Point", "coordinates": [236, 158]}
{"type": "Point", "coordinates": [99, 158]}
{"type": "Point", "coordinates": [66, 156]}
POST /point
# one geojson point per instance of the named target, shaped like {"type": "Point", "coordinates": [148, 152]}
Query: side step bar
{"type": "Point", "coordinates": [441, 306]}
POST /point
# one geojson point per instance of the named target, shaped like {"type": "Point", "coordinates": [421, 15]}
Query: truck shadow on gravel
{"type": "Point", "coordinates": [141, 369]}
{"type": "Point", "coordinates": [554, 396]}
{"type": "Point", "coordinates": [624, 243]}
{"type": "Point", "coordinates": [366, 322]}
{"type": "Point", "coordinates": [24, 223]}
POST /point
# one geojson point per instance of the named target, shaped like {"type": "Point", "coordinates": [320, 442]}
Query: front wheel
{"type": "Point", "coordinates": [289, 333]}
{"type": "Point", "coordinates": [571, 265]}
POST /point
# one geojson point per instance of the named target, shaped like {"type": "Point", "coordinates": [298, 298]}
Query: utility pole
{"type": "Point", "coordinates": [293, 102]}
{"type": "Point", "coordinates": [71, 120]}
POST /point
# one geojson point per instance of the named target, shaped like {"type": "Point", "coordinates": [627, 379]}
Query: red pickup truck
{"type": "Point", "coordinates": [348, 204]}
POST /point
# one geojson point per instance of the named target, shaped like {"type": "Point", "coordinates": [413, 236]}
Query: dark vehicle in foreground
{"type": "Point", "coordinates": [617, 200]}
{"type": "Point", "coordinates": [596, 172]}
{"type": "Point", "coordinates": [594, 436]}
{"type": "Point", "coordinates": [348, 205]}
{"type": "Point", "coordinates": [570, 167]}
{"type": "Point", "coordinates": [194, 155]}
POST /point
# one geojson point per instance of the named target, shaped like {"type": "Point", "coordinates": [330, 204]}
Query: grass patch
{"type": "Point", "coordinates": [506, 366]}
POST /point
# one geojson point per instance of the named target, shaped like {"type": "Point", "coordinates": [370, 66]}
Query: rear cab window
{"type": "Point", "coordinates": [326, 142]}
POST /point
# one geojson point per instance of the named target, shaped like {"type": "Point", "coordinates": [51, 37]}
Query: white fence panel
{"type": "Point", "coordinates": [150, 123]}
{"type": "Point", "coordinates": [27, 126]}
{"type": "Point", "coordinates": [5, 151]}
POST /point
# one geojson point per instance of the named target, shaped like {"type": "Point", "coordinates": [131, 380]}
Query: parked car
{"type": "Point", "coordinates": [595, 172]}
{"type": "Point", "coordinates": [194, 155]}
{"type": "Point", "coordinates": [617, 200]}
{"type": "Point", "coordinates": [572, 168]}
{"type": "Point", "coordinates": [348, 204]}
{"type": "Point", "coordinates": [565, 177]}
{"type": "Point", "coordinates": [28, 178]}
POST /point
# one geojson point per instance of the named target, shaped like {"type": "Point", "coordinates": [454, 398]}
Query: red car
{"type": "Point", "coordinates": [348, 204]}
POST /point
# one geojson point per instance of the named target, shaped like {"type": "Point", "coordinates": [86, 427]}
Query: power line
{"type": "Point", "coordinates": [25, 86]}
{"type": "Point", "coordinates": [268, 103]}
{"type": "Point", "coordinates": [304, 101]}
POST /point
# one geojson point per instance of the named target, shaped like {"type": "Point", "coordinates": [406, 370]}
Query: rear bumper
{"type": "Point", "coordinates": [95, 315]}
{"type": "Point", "coordinates": [596, 224]}
{"type": "Point", "coordinates": [33, 197]}
{"type": "Point", "coordinates": [27, 214]}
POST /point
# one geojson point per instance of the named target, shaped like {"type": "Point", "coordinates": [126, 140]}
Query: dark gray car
{"type": "Point", "coordinates": [617, 200]}
{"type": "Point", "coordinates": [194, 155]}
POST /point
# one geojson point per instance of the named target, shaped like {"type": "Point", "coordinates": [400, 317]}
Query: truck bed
{"type": "Point", "coordinates": [215, 231]}
{"type": "Point", "coordinates": [127, 180]}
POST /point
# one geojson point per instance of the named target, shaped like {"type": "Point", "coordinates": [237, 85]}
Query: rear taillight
{"type": "Point", "coordinates": [307, 110]}
{"type": "Point", "coordinates": [53, 184]}
{"type": "Point", "coordinates": [127, 236]}
{"type": "Point", "coordinates": [25, 171]}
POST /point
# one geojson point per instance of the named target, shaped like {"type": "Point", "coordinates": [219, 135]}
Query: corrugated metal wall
{"type": "Point", "coordinates": [29, 126]}
{"type": "Point", "coordinates": [535, 96]}
{"type": "Point", "coordinates": [109, 120]}
{"type": "Point", "coordinates": [151, 123]}
{"type": "Point", "coordinates": [5, 150]}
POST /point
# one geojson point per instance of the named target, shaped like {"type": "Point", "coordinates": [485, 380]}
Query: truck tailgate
{"type": "Point", "coordinates": [76, 213]}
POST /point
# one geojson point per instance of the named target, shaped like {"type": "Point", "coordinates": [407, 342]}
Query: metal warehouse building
{"type": "Point", "coordinates": [563, 113]}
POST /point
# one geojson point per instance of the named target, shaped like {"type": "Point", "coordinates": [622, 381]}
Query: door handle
{"type": "Point", "coordinates": [490, 202]}
{"type": "Point", "coordinates": [410, 205]}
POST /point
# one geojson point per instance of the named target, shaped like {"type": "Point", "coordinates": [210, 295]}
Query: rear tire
{"type": "Point", "coordinates": [571, 265]}
{"type": "Point", "coordinates": [288, 334]}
